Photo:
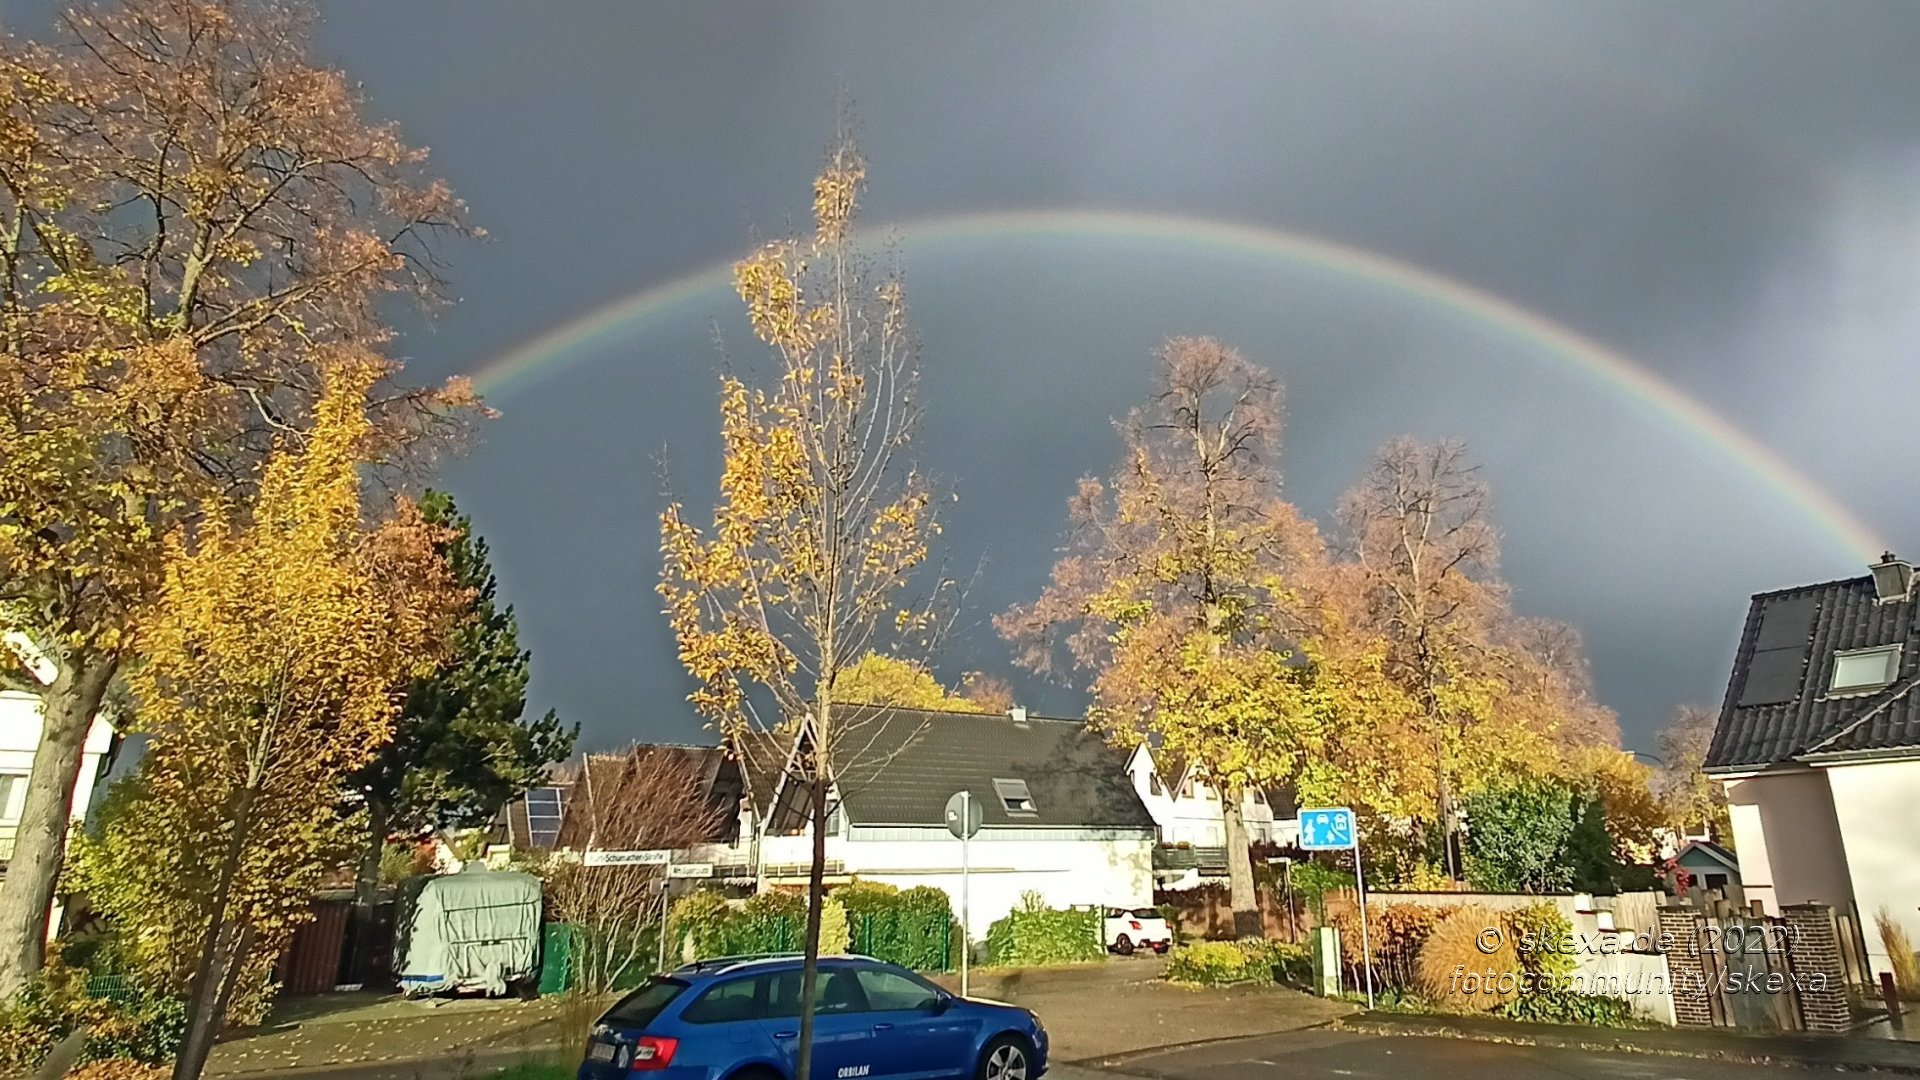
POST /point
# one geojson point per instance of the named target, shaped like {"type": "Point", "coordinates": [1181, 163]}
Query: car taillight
{"type": "Point", "coordinates": [653, 1052]}
{"type": "Point", "coordinates": [1135, 923]}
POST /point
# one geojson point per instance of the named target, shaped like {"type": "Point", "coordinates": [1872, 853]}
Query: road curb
{"type": "Point", "coordinates": [1773, 1054]}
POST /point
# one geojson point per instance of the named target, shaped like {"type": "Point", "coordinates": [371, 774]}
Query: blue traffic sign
{"type": "Point", "coordinates": [1327, 828]}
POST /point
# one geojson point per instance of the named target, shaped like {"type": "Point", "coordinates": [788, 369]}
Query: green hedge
{"type": "Point", "coordinates": [913, 927]}
{"type": "Point", "coordinates": [133, 1023]}
{"type": "Point", "coordinates": [1036, 934]}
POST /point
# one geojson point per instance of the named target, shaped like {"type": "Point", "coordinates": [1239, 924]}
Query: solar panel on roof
{"type": "Point", "coordinates": [545, 809]}
{"type": "Point", "coordinates": [1779, 663]}
{"type": "Point", "coordinates": [1787, 623]}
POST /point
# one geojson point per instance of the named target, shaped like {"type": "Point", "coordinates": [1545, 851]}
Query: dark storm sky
{"type": "Point", "coordinates": [1727, 192]}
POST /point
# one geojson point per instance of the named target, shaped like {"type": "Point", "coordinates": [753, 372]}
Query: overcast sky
{"type": "Point", "coordinates": [1728, 193]}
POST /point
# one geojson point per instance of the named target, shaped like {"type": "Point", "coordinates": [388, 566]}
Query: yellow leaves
{"type": "Point", "coordinates": [836, 191]}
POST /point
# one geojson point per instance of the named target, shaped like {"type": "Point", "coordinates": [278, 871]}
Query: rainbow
{"type": "Point", "coordinates": [572, 341]}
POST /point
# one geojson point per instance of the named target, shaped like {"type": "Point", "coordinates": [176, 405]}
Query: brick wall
{"type": "Point", "coordinates": [1814, 951]}
{"type": "Point", "coordinates": [1686, 969]}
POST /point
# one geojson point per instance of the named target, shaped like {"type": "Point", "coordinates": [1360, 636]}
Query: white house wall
{"type": "Point", "coordinates": [1788, 839]}
{"type": "Point", "coordinates": [1198, 819]}
{"type": "Point", "coordinates": [1875, 808]}
{"type": "Point", "coordinates": [20, 738]}
{"type": "Point", "coordinates": [1075, 868]}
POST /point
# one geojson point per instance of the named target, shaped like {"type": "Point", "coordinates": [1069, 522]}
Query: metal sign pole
{"type": "Point", "coordinates": [666, 882]}
{"type": "Point", "coordinates": [966, 936]}
{"type": "Point", "coordinates": [1366, 945]}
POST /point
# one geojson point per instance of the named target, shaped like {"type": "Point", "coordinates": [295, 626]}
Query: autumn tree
{"type": "Point", "coordinates": [884, 680]}
{"type": "Point", "coordinates": [1418, 529]}
{"type": "Point", "coordinates": [462, 745]}
{"type": "Point", "coordinates": [271, 665]}
{"type": "Point", "coordinates": [1691, 798]}
{"type": "Point", "coordinates": [1177, 588]}
{"type": "Point", "coordinates": [987, 693]}
{"type": "Point", "coordinates": [822, 526]}
{"type": "Point", "coordinates": [195, 222]}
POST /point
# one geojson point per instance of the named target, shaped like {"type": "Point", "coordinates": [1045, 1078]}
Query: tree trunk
{"type": "Point", "coordinates": [220, 956]}
{"type": "Point", "coordinates": [40, 842]}
{"type": "Point", "coordinates": [366, 890]}
{"type": "Point", "coordinates": [1240, 890]}
{"type": "Point", "coordinates": [816, 899]}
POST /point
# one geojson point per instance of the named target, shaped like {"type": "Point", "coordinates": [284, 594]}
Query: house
{"type": "Point", "coordinates": [1062, 819]}
{"type": "Point", "coordinates": [1189, 811]}
{"type": "Point", "coordinates": [21, 666]}
{"type": "Point", "coordinates": [1710, 866]}
{"type": "Point", "coordinates": [1818, 748]}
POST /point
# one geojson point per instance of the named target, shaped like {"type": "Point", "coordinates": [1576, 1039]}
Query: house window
{"type": "Point", "coordinates": [836, 819]}
{"type": "Point", "coordinates": [1259, 797]}
{"type": "Point", "coordinates": [545, 808]}
{"type": "Point", "coordinates": [1862, 670]}
{"type": "Point", "coordinates": [13, 792]}
{"type": "Point", "coordinates": [1716, 881]}
{"type": "Point", "coordinates": [1153, 784]}
{"type": "Point", "coordinates": [1015, 797]}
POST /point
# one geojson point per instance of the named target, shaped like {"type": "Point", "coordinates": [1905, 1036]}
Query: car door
{"type": "Point", "coordinates": [842, 1032]}
{"type": "Point", "coordinates": [917, 1034]}
{"type": "Point", "coordinates": [722, 1025]}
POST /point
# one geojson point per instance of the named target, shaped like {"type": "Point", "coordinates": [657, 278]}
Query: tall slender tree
{"type": "Point", "coordinates": [195, 222]}
{"type": "Point", "coordinates": [822, 525]}
{"type": "Point", "coordinates": [1177, 591]}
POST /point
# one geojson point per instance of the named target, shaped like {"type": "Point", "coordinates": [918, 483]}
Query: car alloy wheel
{"type": "Point", "coordinates": [1007, 1062]}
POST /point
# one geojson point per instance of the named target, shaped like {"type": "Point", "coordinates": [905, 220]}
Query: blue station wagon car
{"type": "Point", "coordinates": [739, 1019]}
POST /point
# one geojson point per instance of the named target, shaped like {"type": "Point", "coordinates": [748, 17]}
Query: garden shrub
{"type": "Point", "coordinates": [138, 1025]}
{"type": "Point", "coordinates": [913, 927]}
{"type": "Point", "coordinates": [1036, 934]}
{"type": "Point", "coordinates": [769, 922]}
{"type": "Point", "coordinates": [1312, 882]}
{"type": "Point", "coordinates": [1395, 933]}
{"type": "Point", "coordinates": [1563, 1006]}
{"type": "Point", "coordinates": [1223, 963]}
{"type": "Point", "coordinates": [1454, 950]}
{"type": "Point", "coordinates": [120, 1069]}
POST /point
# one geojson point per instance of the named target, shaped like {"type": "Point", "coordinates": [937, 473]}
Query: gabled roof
{"type": "Point", "coordinates": [1712, 851]}
{"type": "Point", "coordinates": [1777, 710]}
{"type": "Point", "coordinates": [905, 763]}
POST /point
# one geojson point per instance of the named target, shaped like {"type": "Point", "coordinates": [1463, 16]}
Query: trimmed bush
{"type": "Point", "coordinates": [769, 922]}
{"type": "Point", "coordinates": [913, 928]}
{"type": "Point", "coordinates": [1036, 934]}
{"type": "Point", "coordinates": [1223, 963]}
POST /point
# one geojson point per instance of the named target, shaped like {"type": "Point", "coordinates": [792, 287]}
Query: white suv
{"type": "Point", "coordinates": [1141, 928]}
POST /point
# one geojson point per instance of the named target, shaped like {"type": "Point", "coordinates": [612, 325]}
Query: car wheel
{"type": "Point", "coordinates": [1008, 1057]}
{"type": "Point", "coordinates": [1123, 945]}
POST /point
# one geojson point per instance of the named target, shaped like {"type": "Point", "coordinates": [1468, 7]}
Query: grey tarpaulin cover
{"type": "Point", "coordinates": [476, 930]}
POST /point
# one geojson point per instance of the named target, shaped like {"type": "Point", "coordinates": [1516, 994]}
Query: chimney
{"type": "Point", "coordinates": [1892, 578]}
{"type": "Point", "coordinates": [1019, 715]}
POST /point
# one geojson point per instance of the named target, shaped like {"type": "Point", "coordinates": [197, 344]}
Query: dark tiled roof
{"type": "Point", "coordinates": [1801, 722]}
{"type": "Point", "coordinates": [900, 766]}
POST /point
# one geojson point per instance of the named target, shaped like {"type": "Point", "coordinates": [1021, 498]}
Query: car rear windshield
{"type": "Point", "coordinates": [638, 1009]}
{"type": "Point", "coordinates": [1145, 913]}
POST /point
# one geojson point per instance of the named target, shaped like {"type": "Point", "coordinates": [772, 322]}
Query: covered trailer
{"type": "Point", "coordinates": [475, 930]}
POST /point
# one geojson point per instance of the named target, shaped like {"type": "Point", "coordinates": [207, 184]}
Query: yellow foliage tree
{"type": "Point", "coordinates": [194, 220]}
{"type": "Point", "coordinates": [272, 661]}
{"type": "Point", "coordinates": [821, 523]}
{"type": "Point", "coordinates": [1179, 590]}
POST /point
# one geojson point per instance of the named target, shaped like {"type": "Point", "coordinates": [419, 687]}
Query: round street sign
{"type": "Point", "coordinates": [964, 815]}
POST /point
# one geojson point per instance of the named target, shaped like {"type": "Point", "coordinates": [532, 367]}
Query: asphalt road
{"type": "Point", "coordinates": [1339, 1055]}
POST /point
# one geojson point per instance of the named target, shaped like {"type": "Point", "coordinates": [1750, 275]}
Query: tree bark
{"type": "Point", "coordinates": [40, 842]}
{"type": "Point", "coordinates": [816, 899]}
{"type": "Point", "coordinates": [1240, 889]}
{"type": "Point", "coordinates": [224, 950]}
{"type": "Point", "coordinates": [366, 889]}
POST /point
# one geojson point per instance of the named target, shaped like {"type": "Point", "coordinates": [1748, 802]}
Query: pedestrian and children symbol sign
{"type": "Point", "coordinates": [1328, 829]}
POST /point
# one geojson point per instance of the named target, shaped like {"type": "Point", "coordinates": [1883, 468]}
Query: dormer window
{"type": "Point", "coordinates": [1862, 671]}
{"type": "Point", "coordinates": [1015, 797]}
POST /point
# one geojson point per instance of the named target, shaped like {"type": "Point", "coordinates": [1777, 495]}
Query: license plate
{"type": "Point", "coordinates": [600, 1052]}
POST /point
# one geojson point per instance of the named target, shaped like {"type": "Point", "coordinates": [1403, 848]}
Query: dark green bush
{"type": "Point", "coordinates": [1036, 934]}
{"type": "Point", "coordinates": [913, 928]}
{"type": "Point", "coordinates": [1561, 1006]}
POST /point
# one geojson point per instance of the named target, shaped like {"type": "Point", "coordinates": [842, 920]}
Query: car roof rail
{"type": "Point", "coordinates": [727, 963]}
